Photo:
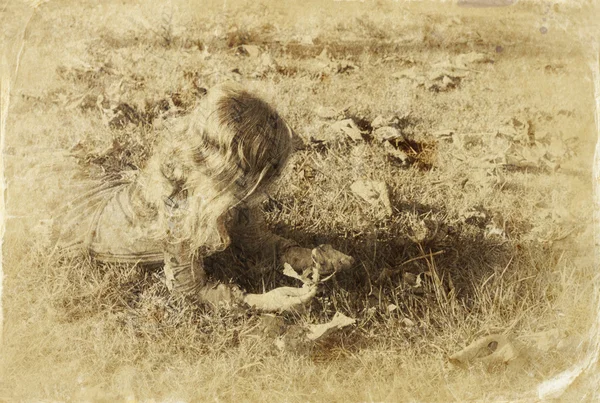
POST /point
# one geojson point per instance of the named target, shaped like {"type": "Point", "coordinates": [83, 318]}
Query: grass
{"type": "Point", "coordinates": [75, 330]}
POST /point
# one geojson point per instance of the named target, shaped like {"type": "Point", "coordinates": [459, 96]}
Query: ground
{"type": "Point", "coordinates": [480, 122]}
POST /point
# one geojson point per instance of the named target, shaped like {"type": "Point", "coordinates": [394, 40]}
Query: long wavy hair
{"type": "Point", "coordinates": [227, 151]}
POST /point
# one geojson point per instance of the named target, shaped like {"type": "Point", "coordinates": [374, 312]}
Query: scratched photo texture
{"type": "Point", "coordinates": [447, 147]}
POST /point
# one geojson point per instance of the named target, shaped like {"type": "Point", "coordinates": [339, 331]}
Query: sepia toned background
{"type": "Point", "coordinates": [448, 148]}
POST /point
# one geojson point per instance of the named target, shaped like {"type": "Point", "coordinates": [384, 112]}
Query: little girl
{"type": "Point", "coordinates": [198, 195]}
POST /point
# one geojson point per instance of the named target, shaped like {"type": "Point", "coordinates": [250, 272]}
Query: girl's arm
{"type": "Point", "coordinates": [186, 277]}
{"type": "Point", "coordinates": [250, 235]}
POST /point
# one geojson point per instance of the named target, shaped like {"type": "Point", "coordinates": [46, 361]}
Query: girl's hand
{"type": "Point", "coordinates": [329, 260]}
{"type": "Point", "coordinates": [282, 298]}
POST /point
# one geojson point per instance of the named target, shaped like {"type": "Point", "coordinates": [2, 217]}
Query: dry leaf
{"type": "Point", "coordinates": [294, 340]}
{"type": "Point", "coordinates": [468, 140]}
{"type": "Point", "coordinates": [316, 332]}
{"type": "Point", "coordinates": [507, 132]}
{"type": "Point", "coordinates": [436, 75]}
{"type": "Point", "coordinates": [412, 279]}
{"type": "Point", "coordinates": [474, 216]}
{"type": "Point", "coordinates": [349, 128]}
{"type": "Point", "coordinates": [545, 341]}
{"type": "Point", "coordinates": [290, 272]}
{"type": "Point", "coordinates": [556, 150]}
{"type": "Point", "coordinates": [464, 60]}
{"type": "Point", "coordinates": [409, 73]}
{"type": "Point", "coordinates": [445, 134]}
{"type": "Point", "coordinates": [387, 133]}
{"type": "Point", "coordinates": [374, 192]}
{"type": "Point", "coordinates": [270, 326]}
{"type": "Point", "coordinates": [343, 66]}
{"type": "Point", "coordinates": [306, 40]}
{"type": "Point", "coordinates": [490, 350]}
{"type": "Point", "coordinates": [419, 232]}
{"type": "Point", "coordinates": [397, 156]}
{"type": "Point", "coordinates": [251, 50]}
{"type": "Point", "coordinates": [323, 56]}
{"type": "Point", "coordinates": [491, 230]}
{"type": "Point", "coordinates": [379, 121]}
{"type": "Point", "coordinates": [407, 322]}
{"type": "Point", "coordinates": [447, 81]}
{"type": "Point", "coordinates": [438, 72]}
{"type": "Point", "coordinates": [326, 112]}
{"type": "Point", "coordinates": [267, 61]}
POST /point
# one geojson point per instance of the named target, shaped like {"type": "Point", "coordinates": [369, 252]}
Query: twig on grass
{"type": "Point", "coordinates": [430, 254]}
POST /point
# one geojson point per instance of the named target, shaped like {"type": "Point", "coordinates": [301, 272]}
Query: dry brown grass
{"type": "Point", "coordinates": [74, 330]}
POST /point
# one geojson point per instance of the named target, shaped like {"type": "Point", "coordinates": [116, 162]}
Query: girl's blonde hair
{"type": "Point", "coordinates": [232, 145]}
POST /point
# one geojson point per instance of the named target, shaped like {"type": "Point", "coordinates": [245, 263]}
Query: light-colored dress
{"type": "Point", "coordinates": [113, 223]}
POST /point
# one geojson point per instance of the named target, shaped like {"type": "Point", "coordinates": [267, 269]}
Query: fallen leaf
{"type": "Point", "coordinates": [407, 322]}
{"type": "Point", "coordinates": [398, 156]}
{"type": "Point", "coordinates": [374, 192]}
{"type": "Point", "coordinates": [290, 272]}
{"type": "Point", "coordinates": [474, 217]}
{"type": "Point", "coordinates": [394, 121]}
{"type": "Point", "coordinates": [74, 103]}
{"type": "Point", "coordinates": [518, 161]}
{"type": "Point", "coordinates": [491, 231]}
{"type": "Point", "coordinates": [466, 59]}
{"type": "Point", "coordinates": [507, 131]}
{"type": "Point", "coordinates": [251, 50]}
{"type": "Point", "coordinates": [419, 231]}
{"type": "Point", "coordinates": [378, 122]}
{"type": "Point", "coordinates": [294, 340]}
{"type": "Point", "coordinates": [443, 80]}
{"type": "Point", "coordinates": [468, 140]}
{"type": "Point", "coordinates": [445, 134]}
{"type": "Point", "coordinates": [270, 326]}
{"type": "Point", "coordinates": [344, 66]}
{"type": "Point", "coordinates": [280, 343]}
{"type": "Point", "coordinates": [556, 150]}
{"type": "Point", "coordinates": [349, 128]}
{"type": "Point", "coordinates": [267, 61]}
{"type": "Point", "coordinates": [387, 133]}
{"type": "Point", "coordinates": [316, 332]}
{"type": "Point", "coordinates": [440, 73]}
{"type": "Point", "coordinates": [544, 341]}
{"type": "Point", "coordinates": [436, 75]}
{"type": "Point", "coordinates": [517, 123]}
{"type": "Point", "coordinates": [409, 73]}
{"type": "Point", "coordinates": [412, 279]}
{"type": "Point", "coordinates": [306, 40]}
{"type": "Point", "coordinates": [490, 350]}
{"type": "Point", "coordinates": [324, 56]}
{"type": "Point", "coordinates": [326, 112]}
{"type": "Point", "coordinates": [447, 81]}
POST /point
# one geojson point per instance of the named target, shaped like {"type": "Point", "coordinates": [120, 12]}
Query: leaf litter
{"type": "Point", "coordinates": [501, 350]}
{"type": "Point", "coordinates": [298, 338]}
{"type": "Point", "coordinates": [513, 144]}
{"type": "Point", "coordinates": [444, 75]}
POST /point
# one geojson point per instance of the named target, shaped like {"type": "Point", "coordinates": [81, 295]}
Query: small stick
{"type": "Point", "coordinates": [439, 252]}
{"type": "Point", "coordinates": [327, 278]}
